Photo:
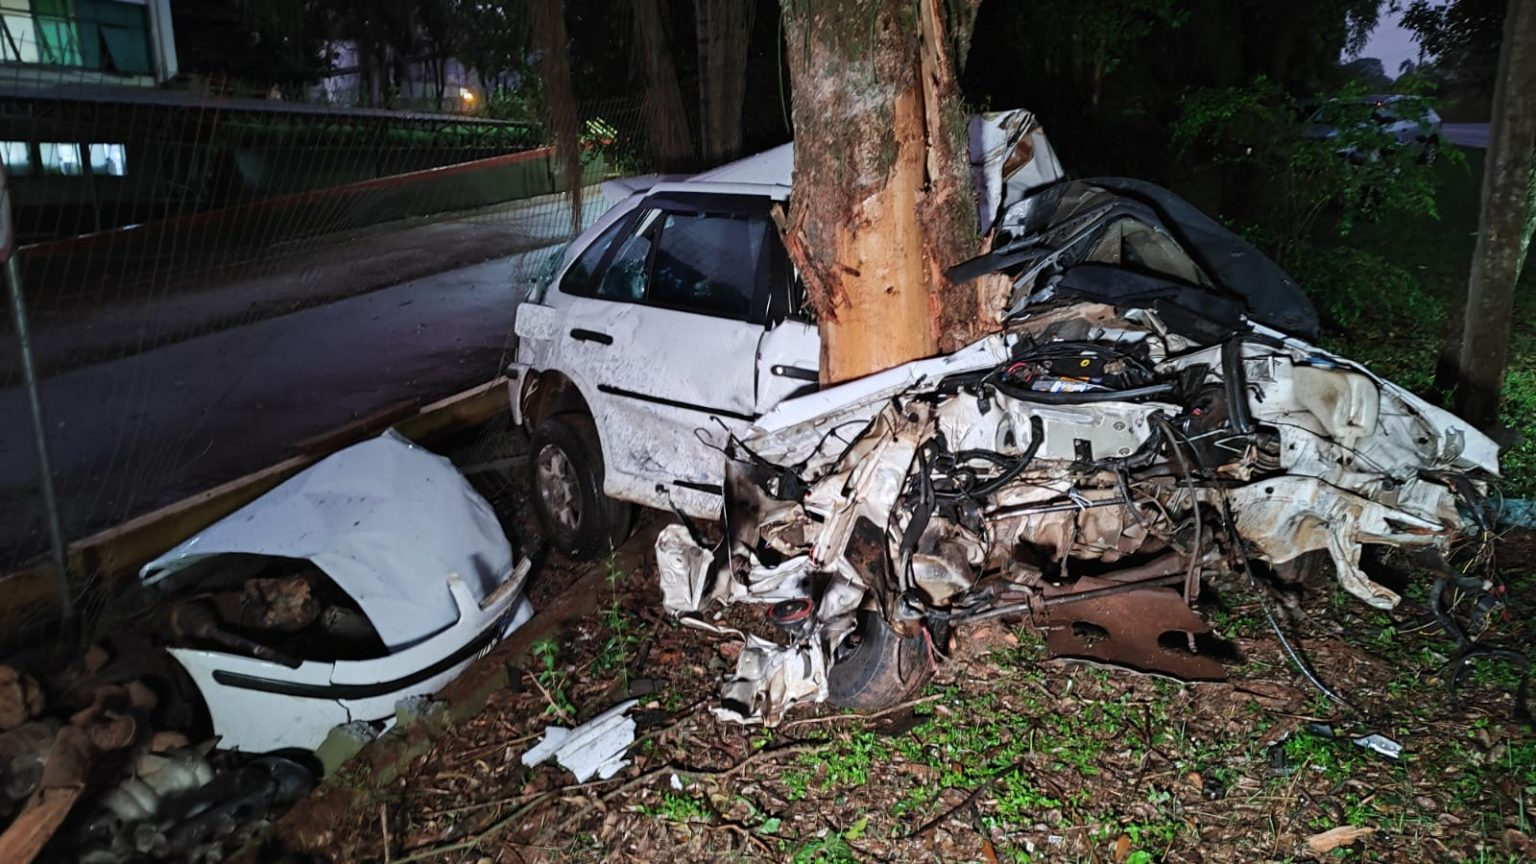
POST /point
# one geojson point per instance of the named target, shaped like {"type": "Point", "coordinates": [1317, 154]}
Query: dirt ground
{"type": "Point", "coordinates": [1006, 756]}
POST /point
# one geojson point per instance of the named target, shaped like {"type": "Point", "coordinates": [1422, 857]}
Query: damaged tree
{"type": "Point", "coordinates": [885, 204]}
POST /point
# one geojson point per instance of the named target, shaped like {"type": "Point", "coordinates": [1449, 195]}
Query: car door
{"type": "Point", "coordinates": [789, 354]}
{"type": "Point", "coordinates": [667, 337]}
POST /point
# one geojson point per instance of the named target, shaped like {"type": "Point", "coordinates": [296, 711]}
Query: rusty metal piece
{"type": "Point", "coordinates": [198, 620]}
{"type": "Point", "coordinates": [20, 698]}
{"type": "Point", "coordinates": [285, 604]}
{"type": "Point", "coordinates": [1124, 627]}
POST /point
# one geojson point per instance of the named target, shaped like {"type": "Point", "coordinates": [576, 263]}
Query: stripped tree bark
{"type": "Point", "coordinates": [547, 19]}
{"type": "Point", "coordinates": [723, 27]}
{"type": "Point", "coordinates": [1504, 231]}
{"type": "Point", "coordinates": [883, 202]}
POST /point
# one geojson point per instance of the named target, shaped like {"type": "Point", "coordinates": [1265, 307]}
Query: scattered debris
{"type": "Point", "coordinates": [595, 748]}
{"type": "Point", "coordinates": [20, 698]}
{"type": "Point", "coordinates": [1333, 838]}
{"type": "Point", "coordinates": [1381, 744]}
{"type": "Point", "coordinates": [769, 679]}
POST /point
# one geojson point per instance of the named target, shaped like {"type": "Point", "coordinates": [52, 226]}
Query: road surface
{"type": "Point", "coordinates": [1473, 135]}
{"type": "Point", "coordinates": [143, 431]}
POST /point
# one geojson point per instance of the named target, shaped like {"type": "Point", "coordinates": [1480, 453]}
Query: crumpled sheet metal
{"type": "Point", "coordinates": [595, 748]}
{"type": "Point", "coordinates": [1289, 516]}
{"type": "Point", "coordinates": [387, 520]}
{"type": "Point", "coordinates": [1132, 623]}
{"type": "Point", "coordinates": [688, 580]}
{"type": "Point", "coordinates": [770, 679]}
{"type": "Point", "coordinates": [1003, 139]}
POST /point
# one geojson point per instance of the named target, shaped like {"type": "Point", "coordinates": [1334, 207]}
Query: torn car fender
{"type": "Point", "coordinates": [1286, 517]}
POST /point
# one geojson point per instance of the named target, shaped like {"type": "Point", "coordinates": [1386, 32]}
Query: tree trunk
{"type": "Point", "coordinates": [883, 202]}
{"type": "Point", "coordinates": [550, 41]}
{"type": "Point", "coordinates": [666, 121]}
{"type": "Point", "coordinates": [722, 27]}
{"type": "Point", "coordinates": [1505, 227]}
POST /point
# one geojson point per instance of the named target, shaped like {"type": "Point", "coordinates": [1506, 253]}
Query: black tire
{"type": "Point", "coordinates": [579, 521]}
{"type": "Point", "coordinates": [875, 667]}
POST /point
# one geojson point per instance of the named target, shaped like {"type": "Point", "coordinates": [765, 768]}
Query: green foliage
{"type": "Point", "coordinates": [678, 808]}
{"type": "Point", "coordinates": [552, 677]}
{"type": "Point", "coordinates": [617, 648]}
{"type": "Point", "coordinates": [1338, 160]}
{"type": "Point", "coordinates": [1356, 288]}
{"type": "Point", "coordinates": [833, 848]}
{"type": "Point", "coordinates": [1461, 37]}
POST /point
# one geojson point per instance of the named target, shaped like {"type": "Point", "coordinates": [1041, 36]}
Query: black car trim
{"type": "Point", "coordinates": [673, 403]}
{"type": "Point", "coordinates": [711, 488]}
{"type": "Point", "coordinates": [242, 681]}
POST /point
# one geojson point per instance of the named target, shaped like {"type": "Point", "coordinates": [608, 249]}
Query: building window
{"type": "Point", "coordinates": [109, 160]}
{"type": "Point", "coordinates": [18, 32]}
{"type": "Point", "coordinates": [60, 158]}
{"type": "Point", "coordinates": [17, 156]}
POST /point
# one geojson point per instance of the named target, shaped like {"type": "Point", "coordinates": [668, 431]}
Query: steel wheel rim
{"type": "Point", "coordinates": [559, 488]}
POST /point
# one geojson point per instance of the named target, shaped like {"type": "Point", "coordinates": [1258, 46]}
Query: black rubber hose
{"type": "Point", "coordinates": [1036, 439]}
{"type": "Point", "coordinates": [1237, 386]}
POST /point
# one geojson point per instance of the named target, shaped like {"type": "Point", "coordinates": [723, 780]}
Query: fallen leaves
{"type": "Point", "coordinates": [1333, 838]}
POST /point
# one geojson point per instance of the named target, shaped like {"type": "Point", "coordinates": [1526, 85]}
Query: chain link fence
{"type": "Point", "coordinates": [214, 283]}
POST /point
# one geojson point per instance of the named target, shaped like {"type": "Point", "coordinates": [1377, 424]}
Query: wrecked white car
{"type": "Point", "coordinates": [674, 323]}
{"type": "Point", "coordinates": [1149, 416]}
{"type": "Point", "coordinates": [374, 575]}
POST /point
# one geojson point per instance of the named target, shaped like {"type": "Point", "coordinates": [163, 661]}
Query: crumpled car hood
{"type": "Point", "coordinates": [386, 520]}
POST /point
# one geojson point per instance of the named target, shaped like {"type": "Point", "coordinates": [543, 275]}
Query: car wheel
{"type": "Point", "coordinates": [875, 667]}
{"type": "Point", "coordinates": [1430, 152]}
{"type": "Point", "coordinates": [566, 473]}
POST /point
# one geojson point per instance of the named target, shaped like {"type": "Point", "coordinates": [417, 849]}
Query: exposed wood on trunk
{"type": "Point", "coordinates": [949, 210]}
{"type": "Point", "coordinates": [550, 41]}
{"type": "Point", "coordinates": [665, 118]}
{"type": "Point", "coordinates": [882, 202]}
{"type": "Point", "coordinates": [1505, 228]}
{"type": "Point", "coordinates": [723, 27]}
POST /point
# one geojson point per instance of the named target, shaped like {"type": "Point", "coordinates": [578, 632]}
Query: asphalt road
{"type": "Point", "coordinates": [1473, 135]}
{"type": "Point", "coordinates": [140, 432]}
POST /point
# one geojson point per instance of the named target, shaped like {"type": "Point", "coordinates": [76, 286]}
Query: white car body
{"type": "Point", "coordinates": [400, 531]}
{"type": "Point", "coordinates": [667, 384]}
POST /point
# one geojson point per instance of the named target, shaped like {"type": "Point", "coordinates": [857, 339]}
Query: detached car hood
{"type": "Point", "coordinates": [386, 520]}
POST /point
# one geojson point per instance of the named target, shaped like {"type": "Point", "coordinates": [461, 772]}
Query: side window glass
{"type": "Point", "coordinates": [625, 278]}
{"type": "Point", "coordinates": [581, 277]}
{"type": "Point", "coordinates": [708, 263]}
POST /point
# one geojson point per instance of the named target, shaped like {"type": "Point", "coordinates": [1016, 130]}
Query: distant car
{"type": "Point", "coordinates": [1405, 121]}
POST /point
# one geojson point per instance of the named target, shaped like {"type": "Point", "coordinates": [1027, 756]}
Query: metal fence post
{"type": "Point", "coordinates": [34, 399]}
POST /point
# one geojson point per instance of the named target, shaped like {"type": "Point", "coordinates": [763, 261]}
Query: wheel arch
{"type": "Point", "coordinates": [548, 393]}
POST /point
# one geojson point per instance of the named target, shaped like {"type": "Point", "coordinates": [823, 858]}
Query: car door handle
{"type": "Point", "coordinates": [581, 335]}
{"type": "Point", "coordinates": [799, 373]}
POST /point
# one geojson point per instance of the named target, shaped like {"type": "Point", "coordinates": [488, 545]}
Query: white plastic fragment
{"type": "Point", "coordinates": [686, 571]}
{"type": "Point", "coordinates": [1381, 744]}
{"type": "Point", "coordinates": [770, 679]}
{"type": "Point", "coordinates": [596, 747]}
